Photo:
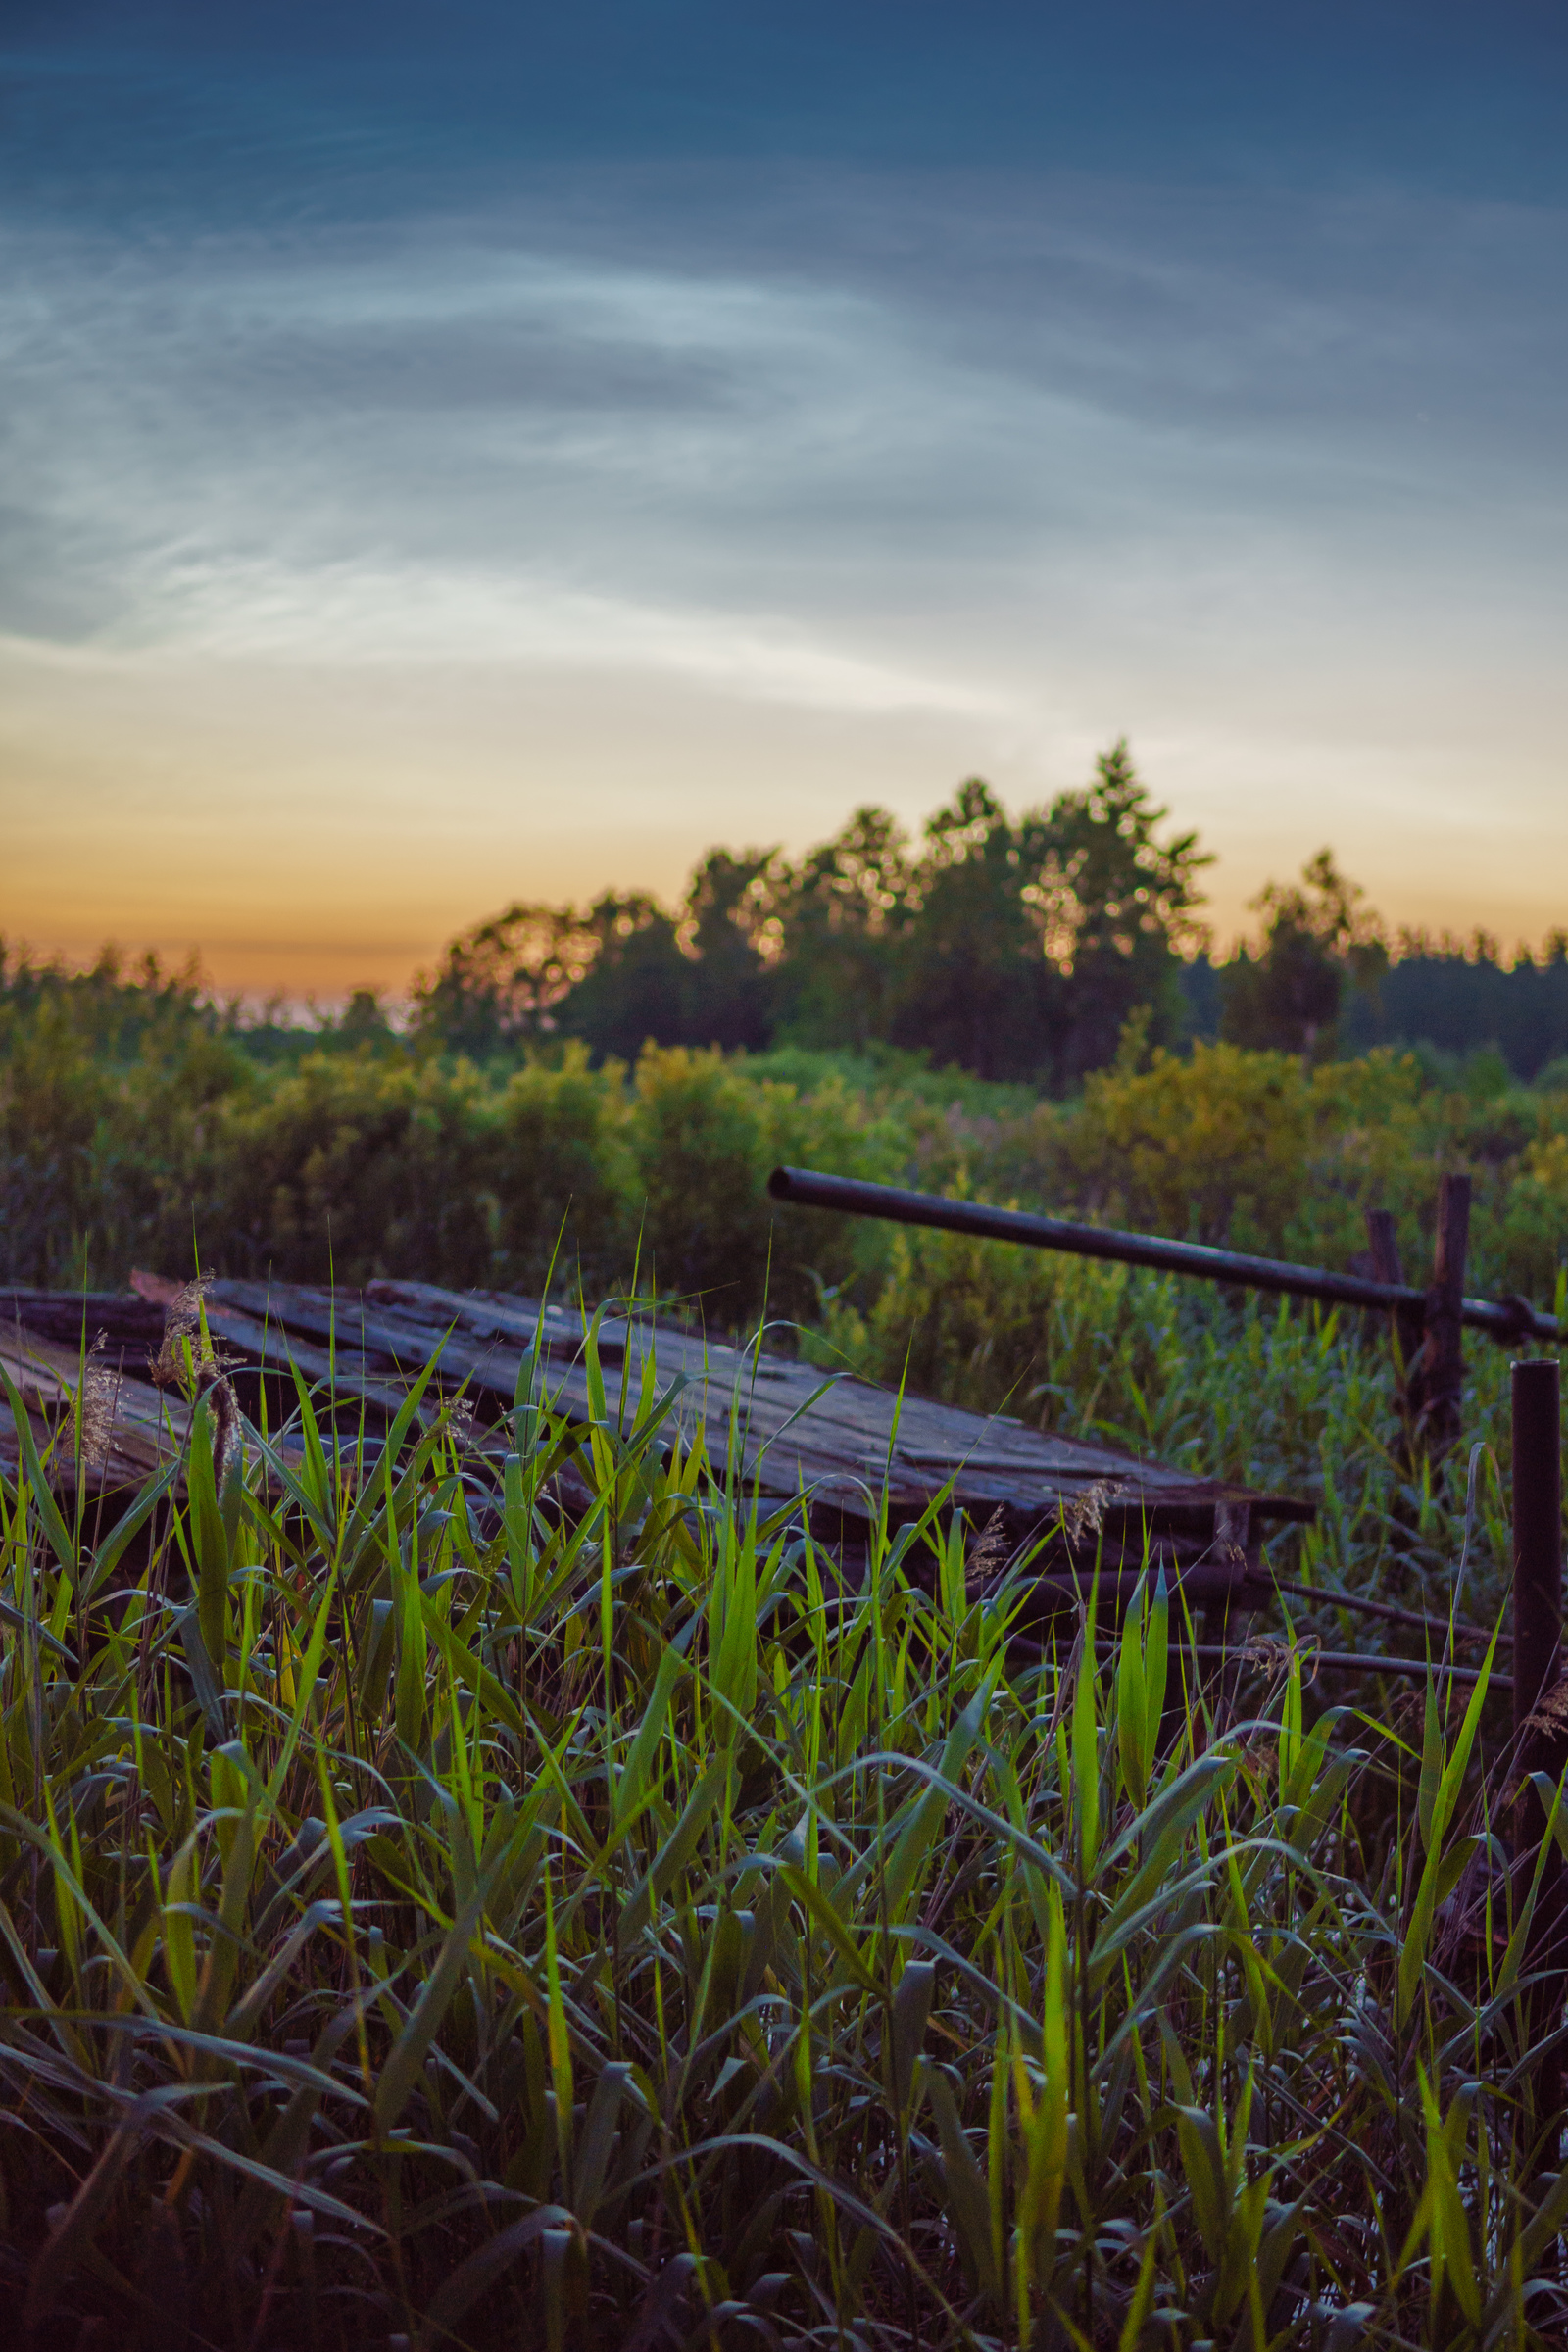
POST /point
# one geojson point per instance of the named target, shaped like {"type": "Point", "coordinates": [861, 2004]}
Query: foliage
{"type": "Point", "coordinates": [703, 1157]}
{"type": "Point", "coordinates": [362, 1166]}
{"type": "Point", "coordinates": [426, 1916]}
{"type": "Point", "coordinates": [1326, 967]}
{"type": "Point", "coordinates": [1017, 949]}
{"type": "Point", "coordinates": [1210, 1148]}
{"type": "Point", "coordinates": [850, 905]}
{"type": "Point", "coordinates": [1535, 1218]}
{"type": "Point", "coordinates": [1121, 904]}
{"type": "Point", "coordinates": [1319, 942]}
{"type": "Point", "coordinates": [1252, 1390]}
{"type": "Point", "coordinates": [1463, 997]}
{"type": "Point", "coordinates": [563, 1173]}
{"type": "Point", "coordinates": [369, 1155]}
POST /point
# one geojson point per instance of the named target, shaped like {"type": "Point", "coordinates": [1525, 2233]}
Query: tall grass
{"type": "Point", "coordinates": [1269, 1395]}
{"type": "Point", "coordinates": [431, 1919]}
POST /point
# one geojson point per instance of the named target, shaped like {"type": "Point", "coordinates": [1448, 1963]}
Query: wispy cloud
{"type": "Point", "coordinates": [369, 616]}
{"type": "Point", "coordinates": [977, 468]}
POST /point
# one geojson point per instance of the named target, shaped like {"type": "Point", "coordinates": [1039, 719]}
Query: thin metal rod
{"type": "Point", "coordinates": [1325, 1596]}
{"type": "Point", "coordinates": [1540, 1738]}
{"type": "Point", "coordinates": [805, 1188]}
{"type": "Point", "coordinates": [1326, 1661]}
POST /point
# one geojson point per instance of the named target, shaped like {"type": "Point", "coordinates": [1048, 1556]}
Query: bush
{"type": "Point", "coordinates": [700, 1138]}
{"type": "Point", "coordinates": [1211, 1149]}
{"type": "Point", "coordinates": [135, 1128]}
{"type": "Point", "coordinates": [563, 1174]}
{"type": "Point", "coordinates": [1534, 1219]}
{"type": "Point", "coordinates": [53, 1100]}
{"type": "Point", "coordinates": [355, 1168]}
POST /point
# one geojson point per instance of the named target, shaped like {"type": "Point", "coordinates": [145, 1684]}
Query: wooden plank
{"type": "Point", "coordinates": [843, 1441]}
{"type": "Point", "coordinates": [489, 1315]}
{"type": "Point", "coordinates": [146, 1426]}
{"type": "Point", "coordinates": [833, 1438]}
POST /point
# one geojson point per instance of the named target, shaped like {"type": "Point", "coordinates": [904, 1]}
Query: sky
{"type": "Point", "coordinates": [454, 455]}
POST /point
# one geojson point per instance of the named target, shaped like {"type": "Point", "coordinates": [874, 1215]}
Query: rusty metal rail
{"type": "Point", "coordinates": [1508, 1320]}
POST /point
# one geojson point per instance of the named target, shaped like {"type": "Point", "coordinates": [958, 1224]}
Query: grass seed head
{"type": "Point", "coordinates": [182, 1321]}
{"type": "Point", "coordinates": [1552, 1712]}
{"type": "Point", "coordinates": [184, 1328]}
{"type": "Point", "coordinates": [990, 1550]}
{"type": "Point", "coordinates": [1085, 1514]}
{"type": "Point", "coordinates": [98, 1403]}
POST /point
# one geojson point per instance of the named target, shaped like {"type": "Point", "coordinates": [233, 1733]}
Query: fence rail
{"type": "Point", "coordinates": [1507, 1320]}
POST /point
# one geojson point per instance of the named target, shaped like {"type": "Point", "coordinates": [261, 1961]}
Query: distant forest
{"type": "Point", "coordinates": [1029, 950]}
{"type": "Point", "coordinates": [979, 1008]}
{"type": "Point", "coordinates": [1020, 948]}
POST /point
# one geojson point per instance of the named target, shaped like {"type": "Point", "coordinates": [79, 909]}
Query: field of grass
{"type": "Point", "coordinates": [424, 1921]}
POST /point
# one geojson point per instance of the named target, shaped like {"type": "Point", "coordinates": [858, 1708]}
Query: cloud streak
{"type": "Point", "coordinates": [902, 473]}
{"type": "Point", "coordinates": [369, 618]}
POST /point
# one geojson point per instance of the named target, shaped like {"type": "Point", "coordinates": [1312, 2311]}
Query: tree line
{"type": "Point", "coordinates": [1018, 948]}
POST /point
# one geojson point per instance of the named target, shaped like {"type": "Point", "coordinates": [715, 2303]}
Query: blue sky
{"type": "Point", "coordinates": [450, 455]}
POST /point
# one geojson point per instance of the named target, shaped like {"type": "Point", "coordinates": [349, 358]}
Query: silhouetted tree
{"type": "Point", "coordinates": [504, 982]}
{"type": "Point", "coordinates": [977, 984]}
{"type": "Point", "coordinates": [1319, 941]}
{"type": "Point", "coordinates": [1032, 943]}
{"type": "Point", "coordinates": [729, 937]}
{"type": "Point", "coordinates": [842, 916]}
{"type": "Point", "coordinates": [636, 983]}
{"type": "Point", "coordinates": [1015, 948]}
{"type": "Point", "coordinates": [1117, 907]}
{"type": "Point", "coordinates": [1460, 994]}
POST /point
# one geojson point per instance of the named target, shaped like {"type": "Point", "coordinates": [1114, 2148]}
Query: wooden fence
{"type": "Point", "coordinates": [1427, 1324]}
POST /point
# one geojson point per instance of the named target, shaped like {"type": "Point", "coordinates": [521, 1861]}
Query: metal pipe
{"type": "Point", "coordinates": [1325, 1596]}
{"type": "Point", "coordinates": [804, 1188]}
{"type": "Point", "coordinates": [1318, 1661]}
{"type": "Point", "coordinates": [1540, 1738]}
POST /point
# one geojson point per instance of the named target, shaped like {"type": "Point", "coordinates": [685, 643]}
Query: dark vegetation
{"type": "Point", "coordinates": [428, 1920]}
{"type": "Point", "coordinates": [432, 1921]}
{"type": "Point", "coordinates": [1014, 949]}
{"type": "Point", "coordinates": [1016, 1007]}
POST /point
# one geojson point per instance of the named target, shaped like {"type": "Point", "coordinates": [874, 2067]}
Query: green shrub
{"type": "Point", "coordinates": [136, 1127]}
{"type": "Point", "coordinates": [1534, 1221]}
{"type": "Point", "coordinates": [53, 1100]}
{"type": "Point", "coordinates": [700, 1138]}
{"type": "Point", "coordinates": [564, 1175]}
{"type": "Point", "coordinates": [358, 1167]}
{"type": "Point", "coordinates": [1210, 1148]}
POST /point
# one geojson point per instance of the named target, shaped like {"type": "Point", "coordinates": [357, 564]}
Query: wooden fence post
{"type": "Point", "coordinates": [1406, 1324]}
{"type": "Point", "coordinates": [1541, 1740]}
{"type": "Point", "coordinates": [1233, 1529]}
{"type": "Point", "coordinates": [1438, 1376]}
